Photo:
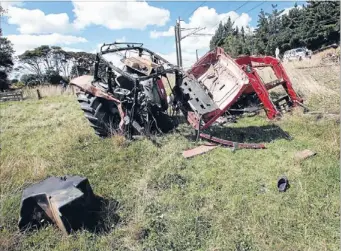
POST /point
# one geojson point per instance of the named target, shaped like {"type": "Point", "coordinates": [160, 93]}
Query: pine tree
{"type": "Point", "coordinates": [262, 33]}
{"type": "Point", "coordinates": [313, 26]}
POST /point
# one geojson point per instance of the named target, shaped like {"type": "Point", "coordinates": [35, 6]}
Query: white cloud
{"type": "Point", "coordinates": [97, 49]}
{"type": "Point", "coordinates": [203, 17]}
{"type": "Point", "coordinates": [119, 15]}
{"type": "Point", "coordinates": [71, 49]}
{"type": "Point", "coordinates": [6, 5]}
{"type": "Point", "coordinates": [188, 58]}
{"type": "Point", "coordinates": [113, 15]}
{"type": "Point", "coordinates": [37, 22]}
{"type": "Point", "coordinates": [98, 46]}
{"type": "Point", "coordinates": [156, 34]}
{"type": "Point", "coordinates": [121, 40]}
{"type": "Point", "coordinates": [21, 43]}
{"type": "Point", "coordinates": [286, 10]}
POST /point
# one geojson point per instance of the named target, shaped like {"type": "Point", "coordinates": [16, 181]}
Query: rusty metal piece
{"type": "Point", "coordinates": [140, 64]}
{"type": "Point", "coordinates": [199, 150]}
{"type": "Point", "coordinates": [85, 83]}
{"type": "Point", "coordinates": [231, 143]}
{"type": "Point", "coordinates": [193, 120]}
{"type": "Point", "coordinates": [65, 201]}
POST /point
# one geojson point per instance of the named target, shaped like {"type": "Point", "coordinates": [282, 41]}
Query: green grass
{"type": "Point", "coordinates": [221, 200]}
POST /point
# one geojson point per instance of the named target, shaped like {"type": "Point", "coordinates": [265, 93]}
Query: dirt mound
{"type": "Point", "coordinates": [314, 78]}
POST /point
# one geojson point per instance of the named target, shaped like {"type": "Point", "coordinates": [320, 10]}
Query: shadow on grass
{"type": "Point", "coordinates": [102, 216]}
{"type": "Point", "coordinates": [250, 134]}
{"type": "Point", "coordinates": [99, 217]}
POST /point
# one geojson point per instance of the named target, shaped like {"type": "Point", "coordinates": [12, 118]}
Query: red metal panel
{"type": "Point", "coordinates": [263, 95]}
{"type": "Point", "coordinates": [161, 89]}
{"type": "Point", "coordinates": [261, 88]}
{"type": "Point", "coordinates": [199, 68]}
{"type": "Point", "coordinates": [219, 112]}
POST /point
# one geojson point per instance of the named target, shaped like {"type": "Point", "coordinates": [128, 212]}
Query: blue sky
{"type": "Point", "coordinates": [81, 26]}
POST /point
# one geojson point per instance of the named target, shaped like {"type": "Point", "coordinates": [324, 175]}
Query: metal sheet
{"type": "Point", "coordinates": [64, 201]}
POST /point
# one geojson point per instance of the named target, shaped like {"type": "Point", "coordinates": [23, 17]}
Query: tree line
{"type": "Point", "coordinates": [44, 64]}
{"type": "Point", "coordinates": [51, 64]}
{"type": "Point", "coordinates": [6, 62]}
{"type": "Point", "coordinates": [313, 26]}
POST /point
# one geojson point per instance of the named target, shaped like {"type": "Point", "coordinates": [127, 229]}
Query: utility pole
{"type": "Point", "coordinates": [177, 30]}
{"type": "Point", "coordinates": [178, 38]}
{"type": "Point", "coordinates": [196, 52]}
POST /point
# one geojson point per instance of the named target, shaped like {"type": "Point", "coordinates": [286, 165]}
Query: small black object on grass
{"type": "Point", "coordinates": [283, 184]}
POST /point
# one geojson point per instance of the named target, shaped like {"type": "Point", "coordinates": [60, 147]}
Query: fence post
{"type": "Point", "coordinates": [38, 93]}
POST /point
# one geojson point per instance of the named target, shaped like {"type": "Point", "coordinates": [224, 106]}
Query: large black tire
{"type": "Point", "coordinates": [101, 113]}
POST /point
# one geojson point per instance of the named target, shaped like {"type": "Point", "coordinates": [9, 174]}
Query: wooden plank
{"type": "Point", "coordinates": [199, 150]}
{"type": "Point", "coordinates": [304, 154]}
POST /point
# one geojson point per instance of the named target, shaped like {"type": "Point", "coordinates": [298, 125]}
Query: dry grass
{"type": "Point", "coordinates": [47, 91]}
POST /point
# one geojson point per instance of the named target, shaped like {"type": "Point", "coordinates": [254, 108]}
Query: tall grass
{"type": "Point", "coordinates": [47, 90]}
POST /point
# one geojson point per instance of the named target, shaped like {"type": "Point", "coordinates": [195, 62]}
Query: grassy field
{"type": "Point", "coordinates": [157, 200]}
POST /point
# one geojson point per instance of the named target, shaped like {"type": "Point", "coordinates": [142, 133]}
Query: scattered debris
{"type": "Point", "coordinates": [235, 145]}
{"type": "Point", "coordinates": [66, 201]}
{"type": "Point", "coordinates": [283, 184]}
{"type": "Point", "coordinates": [199, 150]}
{"type": "Point", "coordinates": [210, 146]}
{"type": "Point", "coordinates": [304, 155]}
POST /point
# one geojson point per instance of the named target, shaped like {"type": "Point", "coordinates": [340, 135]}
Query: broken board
{"type": "Point", "coordinates": [302, 155]}
{"type": "Point", "coordinates": [199, 150]}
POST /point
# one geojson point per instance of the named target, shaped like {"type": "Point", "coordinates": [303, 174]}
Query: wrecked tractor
{"type": "Point", "coordinates": [127, 94]}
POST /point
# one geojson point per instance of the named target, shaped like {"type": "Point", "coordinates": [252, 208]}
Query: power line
{"type": "Point", "coordinates": [167, 41]}
{"type": "Point", "coordinates": [233, 10]}
{"type": "Point", "coordinates": [178, 36]}
{"type": "Point", "coordinates": [246, 12]}
{"type": "Point", "coordinates": [197, 8]}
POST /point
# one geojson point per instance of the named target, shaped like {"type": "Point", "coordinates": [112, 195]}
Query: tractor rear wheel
{"type": "Point", "coordinates": [102, 114]}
